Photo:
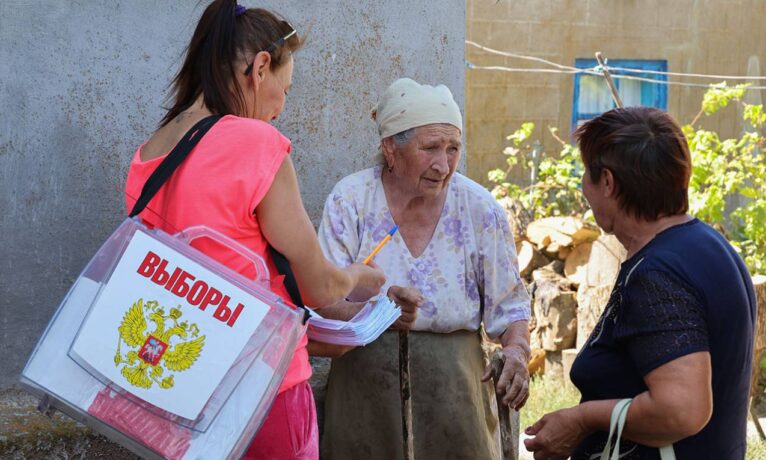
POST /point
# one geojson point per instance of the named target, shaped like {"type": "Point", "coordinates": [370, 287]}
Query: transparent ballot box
{"type": "Point", "coordinates": [163, 349]}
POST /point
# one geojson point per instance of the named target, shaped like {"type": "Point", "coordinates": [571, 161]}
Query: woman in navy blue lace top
{"type": "Point", "coordinates": [677, 332]}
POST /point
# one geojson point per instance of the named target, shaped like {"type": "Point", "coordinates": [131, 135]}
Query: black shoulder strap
{"type": "Point", "coordinates": [172, 161]}
{"type": "Point", "coordinates": [283, 267]}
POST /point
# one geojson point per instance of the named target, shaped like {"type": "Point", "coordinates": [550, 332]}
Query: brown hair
{"type": "Point", "coordinates": [222, 38]}
{"type": "Point", "coordinates": [647, 153]}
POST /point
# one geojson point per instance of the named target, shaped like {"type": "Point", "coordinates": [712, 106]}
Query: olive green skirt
{"type": "Point", "coordinates": [454, 413]}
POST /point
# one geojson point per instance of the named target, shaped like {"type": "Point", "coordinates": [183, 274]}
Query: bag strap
{"type": "Point", "coordinates": [283, 267]}
{"type": "Point", "coordinates": [172, 161]}
{"type": "Point", "coordinates": [616, 425]}
{"type": "Point", "coordinates": [667, 453]}
{"type": "Point", "coordinates": [617, 421]}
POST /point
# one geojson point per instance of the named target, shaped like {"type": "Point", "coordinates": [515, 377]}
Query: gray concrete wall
{"type": "Point", "coordinates": [81, 86]}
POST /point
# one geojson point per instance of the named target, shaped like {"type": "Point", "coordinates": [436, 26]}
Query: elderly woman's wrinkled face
{"type": "Point", "coordinates": [425, 165]}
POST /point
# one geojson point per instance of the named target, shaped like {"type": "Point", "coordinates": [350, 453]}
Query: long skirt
{"type": "Point", "coordinates": [454, 413]}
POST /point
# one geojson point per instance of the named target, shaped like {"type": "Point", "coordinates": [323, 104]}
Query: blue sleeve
{"type": "Point", "coordinates": [660, 319]}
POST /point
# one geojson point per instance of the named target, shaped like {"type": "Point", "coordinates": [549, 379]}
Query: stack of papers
{"type": "Point", "coordinates": [371, 321]}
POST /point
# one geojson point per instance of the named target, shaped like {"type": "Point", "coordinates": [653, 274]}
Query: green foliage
{"type": "Point", "coordinates": [754, 115]}
{"type": "Point", "coordinates": [547, 394]}
{"type": "Point", "coordinates": [756, 449]}
{"type": "Point", "coordinates": [556, 190]}
{"type": "Point", "coordinates": [727, 188]}
{"type": "Point", "coordinates": [522, 134]}
{"type": "Point", "coordinates": [728, 183]}
{"type": "Point", "coordinates": [719, 95]}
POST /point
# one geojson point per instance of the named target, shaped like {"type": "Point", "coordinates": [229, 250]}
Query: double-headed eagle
{"type": "Point", "coordinates": [143, 364]}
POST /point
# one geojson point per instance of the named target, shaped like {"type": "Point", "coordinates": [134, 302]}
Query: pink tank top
{"type": "Point", "coordinates": [219, 185]}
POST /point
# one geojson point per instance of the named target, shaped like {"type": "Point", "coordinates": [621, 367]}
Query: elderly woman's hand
{"type": "Point", "coordinates": [409, 299]}
{"type": "Point", "coordinates": [556, 435]}
{"type": "Point", "coordinates": [513, 383]}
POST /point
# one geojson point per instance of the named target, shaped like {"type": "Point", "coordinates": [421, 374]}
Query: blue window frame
{"type": "Point", "coordinates": [592, 96]}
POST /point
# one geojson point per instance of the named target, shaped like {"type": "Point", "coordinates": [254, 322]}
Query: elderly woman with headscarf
{"type": "Point", "coordinates": [454, 258]}
{"type": "Point", "coordinates": [675, 341]}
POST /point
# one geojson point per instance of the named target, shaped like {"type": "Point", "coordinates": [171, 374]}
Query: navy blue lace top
{"type": "Point", "coordinates": [686, 291]}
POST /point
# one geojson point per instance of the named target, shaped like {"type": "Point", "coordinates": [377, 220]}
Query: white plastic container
{"type": "Point", "coordinates": [166, 371]}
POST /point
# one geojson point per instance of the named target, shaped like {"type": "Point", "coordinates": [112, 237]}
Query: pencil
{"type": "Point", "coordinates": [380, 245]}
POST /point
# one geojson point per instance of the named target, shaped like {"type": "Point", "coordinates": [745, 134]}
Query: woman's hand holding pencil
{"type": "Point", "coordinates": [365, 290]}
{"type": "Point", "coordinates": [368, 281]}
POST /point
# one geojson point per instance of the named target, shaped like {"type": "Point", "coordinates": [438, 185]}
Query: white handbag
{"type": "Point", "coordinates": [616, 424]}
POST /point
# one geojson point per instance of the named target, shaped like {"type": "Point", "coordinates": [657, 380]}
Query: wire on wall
{"type": "Point", "coordinates": [569, 70]}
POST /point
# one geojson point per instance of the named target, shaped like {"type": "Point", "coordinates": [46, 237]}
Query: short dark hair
{"type": "Point", "coordinates": [222, 38]}
{"type": "Point", "coordinates": [646, 151]}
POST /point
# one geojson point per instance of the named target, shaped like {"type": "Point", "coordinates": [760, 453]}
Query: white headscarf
{"type": "Point", "coordinates": [408, 104]}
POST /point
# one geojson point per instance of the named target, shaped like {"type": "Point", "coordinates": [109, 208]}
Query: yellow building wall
{"type": "Point", "coordinates": [694, 36]}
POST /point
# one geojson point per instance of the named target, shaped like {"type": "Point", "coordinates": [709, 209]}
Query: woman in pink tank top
{"type": "Point", "coordinates": [240, 181]}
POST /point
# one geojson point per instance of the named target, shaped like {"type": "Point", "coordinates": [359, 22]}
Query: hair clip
{"type": "Point", "coordinates": [374, 114]}
{"type": "Point", "coordinates": [239, 10]}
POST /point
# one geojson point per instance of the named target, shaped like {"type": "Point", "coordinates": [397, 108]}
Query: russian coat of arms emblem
{"type": "Point", "coordinates": [171, 345]}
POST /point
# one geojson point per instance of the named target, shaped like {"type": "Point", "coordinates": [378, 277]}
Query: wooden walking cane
{"type": "Point", "coordinates": [404, 387]}
{"type": "Point", "coordinates": [508, 442]}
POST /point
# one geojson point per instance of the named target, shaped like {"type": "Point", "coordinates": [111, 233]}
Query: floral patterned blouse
{"type": "Point", "coordinates": [468, 273]}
